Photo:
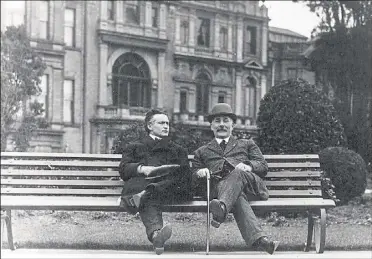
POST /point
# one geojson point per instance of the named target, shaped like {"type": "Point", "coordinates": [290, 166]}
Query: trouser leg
{"type": "Point", "coordinates": [247, 221]}
{"type": "Point", "coordinates": [231, 187]}
{"type": "Point", "coordinates": [151, 216]}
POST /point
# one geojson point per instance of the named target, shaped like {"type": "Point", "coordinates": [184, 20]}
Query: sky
{"type": "Point", "coordinates": [293, 16]}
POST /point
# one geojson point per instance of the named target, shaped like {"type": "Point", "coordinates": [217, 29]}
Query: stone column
{"type": "Point", "coordinates": [148, 11]}
{"type": "Point", "coordinates": [102, 76]}
{"type": "Point", "coordinates": [161, 81]}
{"type": "Point", "coordinates": [229, 35]}
{"type": "Point", "coordinates": [264, 43]}
{"type": "Point", "coordinates": [162, 21]}
{"type": "Point", "coordinates": [176, 100]}
{"type": "Point", "coordinates": [263, 86]}
{"type": "Point", "coordinates": [192, 96]}
{"type": "Point", "coordinates": [103, 15]}
{"type": "Point", "coordinates": [119, 12]}
{"type": "Point", "coordinates": [217, 34]}
{"type": "Point", "coordinates": [239, 43]}
{"type": "Point", "coordinates": [192, 32]}
{"type": "Point", "coordinates": [238, 92]}
{"type": "Point", "coordinates": [178, 27]}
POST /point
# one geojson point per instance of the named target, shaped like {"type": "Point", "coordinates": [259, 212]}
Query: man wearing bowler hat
{"type": "Point", "coordinates": [236, 168]}
{"type": "Point", "coordinates": [155, 171]}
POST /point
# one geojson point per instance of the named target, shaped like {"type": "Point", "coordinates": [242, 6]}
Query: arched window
{"type": "Point", "coordinates": [202, 93]}
{"type": "Point", "coordinates": [131, 82]}
{"type": "Point", "coordinates": [250, 97]}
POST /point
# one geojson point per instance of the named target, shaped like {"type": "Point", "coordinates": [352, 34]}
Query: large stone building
{"type": "Point", "coordinates": [110, 61]}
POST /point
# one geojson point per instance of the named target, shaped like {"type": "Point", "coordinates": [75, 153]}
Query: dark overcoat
{"type": "Point", "coordinates": [148, 152]}
{"type": "Point", "coordinates": [245, 151]}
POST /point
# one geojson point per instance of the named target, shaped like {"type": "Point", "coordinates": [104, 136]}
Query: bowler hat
{"type": "Point", "coordinates": [221, 109]}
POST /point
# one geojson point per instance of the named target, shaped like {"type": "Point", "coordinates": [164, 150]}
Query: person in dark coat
{"type": "Point", "coordinates": [155, 171]}
{"type": "Point", "coordinates": [236, 168]}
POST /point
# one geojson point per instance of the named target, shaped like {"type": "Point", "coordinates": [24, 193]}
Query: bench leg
{"type": "Point", "coordinates": [320, 231]}
{"type": "Point", "coordinates": [310, 228]}
{"type": "Point", "coordinates": [8, 222]}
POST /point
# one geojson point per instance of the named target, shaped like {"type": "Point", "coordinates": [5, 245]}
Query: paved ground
{"type": "Point", "coordinates": [64, 253]}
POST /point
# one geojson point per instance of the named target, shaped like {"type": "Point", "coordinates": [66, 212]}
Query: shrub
{"type": "Point", "coordinates": [296, 117]}
{"type": "Point", "coordinates": [347, 171]}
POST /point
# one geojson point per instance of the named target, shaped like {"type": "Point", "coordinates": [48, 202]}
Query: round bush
{"type": "Point", "coordinates": [347, 171]}
{"type": "Point", "coordinates": [296, 117]}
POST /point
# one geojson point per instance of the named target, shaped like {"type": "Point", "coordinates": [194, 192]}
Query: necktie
{"type": "Point", "coordinates": [223, 145]}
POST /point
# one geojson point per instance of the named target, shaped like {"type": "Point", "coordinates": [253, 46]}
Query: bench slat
{"type": "Point", "coordinates": [18, 172]}
{"type": "Point", "coordinates": [113, 173]}
{"type": "Point", "coordinates": [34, 182]}
{"type": "Point", "coordinates": [294, 165]}
{"type": "Point", "coordinates": [105, 183]}
{"type": "Point", "coordinates": [293, 174]}
{"type": "Point", "coordinates": [117, 191]}
{"type": "Point", "coordinates": [112, 203]}
{"type": "Point", "coordinates": [34, 155]}
{"type": "Point", "coordinates": [51, 163]}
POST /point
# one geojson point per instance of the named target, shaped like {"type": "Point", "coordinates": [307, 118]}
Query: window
{"type": "Point", "coordinates": [44, 20]}
{"type": "Point", "coordinates": [250, 40]}
{"type": "Point", "coordinates": [68, 101]}
{"type": "Point", "coordinates": [154, 17]}
{"type": "Point", "coordinates": [14, 14]}
{"type": "Point", "coordinates": [183, 101]}
{"type": "Point", "coordinates": [202, 93]}
{"type": "Point", "coordinates": [184, 32]}
{"type": "Point", "coordinates": [223, 35]}
{"type": "Point", "coordinates": [221, 97]}
{"type": "Point", "coordinates": [224, 4]}
{"type": "Point", "coordinates": [291, 73]}
{"type": "Point", "coordinates": [42, 97]}
{"type": "Point", "coordinates": [132, 13]}
{"type": "Point", "coordinates": [131, 82]}
{"type": "Point", "coordinates": [110, 10]}
{"type": "Point", "coordinates": [70, 27]}
{"type": "Point", "coordinates": [250, 98]}
{"type": "Point", "coordinates": [203, 26]}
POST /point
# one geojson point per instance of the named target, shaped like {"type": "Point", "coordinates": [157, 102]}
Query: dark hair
{"type": "Point", "coordinates": [149, 115]}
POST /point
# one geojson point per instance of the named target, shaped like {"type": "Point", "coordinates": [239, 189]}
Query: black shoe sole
{"type": "Point", "coordinates": [273, 246]}
{"type": "Point", "coordinates": [217, 212]}
{"type": "Point", "coordinates": [159, 241]}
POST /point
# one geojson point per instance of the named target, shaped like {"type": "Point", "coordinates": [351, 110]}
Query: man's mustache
{"type": "Point", "coordinates": [222, 129]}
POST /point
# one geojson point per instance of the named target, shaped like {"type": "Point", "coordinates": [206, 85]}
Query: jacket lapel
{"type": "Point", "coordinates": [230, 145]}
{"type": "Point", "coordinates": [213, 145]}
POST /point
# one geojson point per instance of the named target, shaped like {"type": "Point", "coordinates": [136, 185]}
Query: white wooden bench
{"type": "Point", "coordinates": [90, 182]}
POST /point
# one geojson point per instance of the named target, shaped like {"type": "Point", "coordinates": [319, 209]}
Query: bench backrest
{"type": "Point", "coordinates": [73, 174]}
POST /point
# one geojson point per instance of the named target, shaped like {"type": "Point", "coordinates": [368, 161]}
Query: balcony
{"type": "Point", "coordinates": [110, 112]}
{"type": "Point", "coordinates": [242, 122]}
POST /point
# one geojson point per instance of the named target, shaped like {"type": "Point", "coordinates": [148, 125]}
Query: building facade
{"type": "Point", "coordinates": [110, 61]}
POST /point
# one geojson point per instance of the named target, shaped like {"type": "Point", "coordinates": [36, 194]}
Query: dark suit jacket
{"type": "Point", "coordinates": [244, 151]}
{"type": "Point", "coordinates": [176, 185]}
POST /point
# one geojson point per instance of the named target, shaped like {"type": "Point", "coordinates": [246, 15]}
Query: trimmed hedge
{"type": "Point", "coordinates": [347, 171]}
{"type": "Point", "coordinates": [296, 118]}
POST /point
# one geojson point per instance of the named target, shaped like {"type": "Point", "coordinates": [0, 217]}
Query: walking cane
{"type": "Point", "coordinates": [208, 211]}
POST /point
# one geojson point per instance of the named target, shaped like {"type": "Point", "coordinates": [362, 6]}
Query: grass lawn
{"type": "Point", "coordinates": [349, 228]}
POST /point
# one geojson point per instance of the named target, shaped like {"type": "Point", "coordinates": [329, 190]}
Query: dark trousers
{"type": "Point", "coordinates": [235, 190]}
{"type": "Point", "coordinates": [151, 210]}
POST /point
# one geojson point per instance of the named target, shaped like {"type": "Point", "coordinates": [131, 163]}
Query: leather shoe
{"type": "Point", "coordinates": [159, 237]}
{"type": "Point", "coordinates": [265, 244]}
{"type": "Point", "coordinates": [218, 211]}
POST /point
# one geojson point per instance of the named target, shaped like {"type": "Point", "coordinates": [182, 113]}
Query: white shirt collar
{"type": "Point", "coordinates": [154, 137]}
{"type": "Point", "coordinates": [219, 140]}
